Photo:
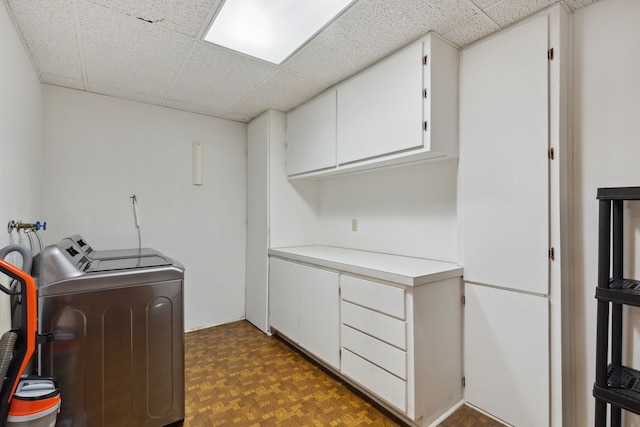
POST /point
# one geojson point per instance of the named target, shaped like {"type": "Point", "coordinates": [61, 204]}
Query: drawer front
{"type": "Point", "coordinates": [375, 351]}
{"type": "Point", "coordinates": [385, 328]}
{"type": "Point", "coordinates": [376, 296]}
{"type": "Point", "coordinates": [387, 386]}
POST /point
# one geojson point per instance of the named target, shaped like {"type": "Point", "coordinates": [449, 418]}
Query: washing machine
{"type": "Point", "coordinates": [118, 336]}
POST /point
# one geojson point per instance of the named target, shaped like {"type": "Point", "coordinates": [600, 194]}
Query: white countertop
{"type": "Point", "coordinates": [404, 270]}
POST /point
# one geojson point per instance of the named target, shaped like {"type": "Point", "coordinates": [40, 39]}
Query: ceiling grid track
{"type": "Point", "coordinates": [76, 18]}
{"type": "Point", "coordinates": [177, 76]}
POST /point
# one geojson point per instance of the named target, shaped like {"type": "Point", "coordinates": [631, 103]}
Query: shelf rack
{"type": "Point", "coordinates": [615, 384]}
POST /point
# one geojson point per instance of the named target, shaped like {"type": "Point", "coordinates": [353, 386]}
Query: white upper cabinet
{"type": "Point", "coordinates": [311, 135]}
{"type": "Point", "coordinates": [504, 162]}
{"type": "Point", "coordinates": [380, 110]}
{"type": "Point", "coordinates": [403, 109]}
{"type": "Point", "coordinates": [441, 99]}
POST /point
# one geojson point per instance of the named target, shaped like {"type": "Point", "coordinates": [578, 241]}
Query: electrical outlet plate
{"type": "Point", "coordinates": [354, 225]}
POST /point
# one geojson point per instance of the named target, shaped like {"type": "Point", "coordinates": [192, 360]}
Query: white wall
{"type": "Point", "coordinates": [100, 151]}
{"type": "Point", "coordinates": [606, 126]}
{"type": "Point", "coordinates": [20, 139]}
{"type": "Point", "coordinates": [408, 210]}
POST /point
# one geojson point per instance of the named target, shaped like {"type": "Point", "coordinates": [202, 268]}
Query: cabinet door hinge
{"type": "Point", "coordinates": [552, 153]}
{"type": "Point", "coordinates": [552, 254]}
{"type": "Point", "coordinates": [425, 126]}
{"type": "Point", "coordinates": [424, 93]}
{"type": "Point", "coordinates": [464, 381]}
{"type": "Point", "coordinates": [550, 54]}
{"type": "Point", "coordinates": [464, 300]}
{"type": "Point", "coordinates": [425, 59]}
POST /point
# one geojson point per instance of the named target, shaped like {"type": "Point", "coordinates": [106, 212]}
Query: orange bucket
{"type": "Point", "coordinates": [35, 403]}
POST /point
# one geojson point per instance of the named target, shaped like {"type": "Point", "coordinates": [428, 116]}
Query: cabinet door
{"type": "Point", "coordinates": [319, 319]}
{"type": "Point", "coordinates": [283, 297]}
{"type": "Point", "coordinates": [257, 223]}
{"type": "Point", "coordinates": [311, 135]}
{"type": "Point", "coordinates": [504, 165]}
{"type": "Point", "coordinates": [380, 110]}
{"type": "Point", "coordinates": [506, 346]}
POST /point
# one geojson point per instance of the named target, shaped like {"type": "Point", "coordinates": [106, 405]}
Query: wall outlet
{"type": "Point", "coordinates": [354, 225]}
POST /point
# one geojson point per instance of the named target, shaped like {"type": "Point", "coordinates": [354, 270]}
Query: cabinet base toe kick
{"type": "Point", "coordinates": [361, 390]}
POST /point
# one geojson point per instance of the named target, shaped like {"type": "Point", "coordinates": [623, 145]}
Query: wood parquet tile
{"type": "Point", "coordinates": [466, 416]}
{"type": "Point", "coordinates": [237, 376]}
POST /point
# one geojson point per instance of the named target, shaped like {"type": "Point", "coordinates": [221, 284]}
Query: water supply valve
{"type": "Point", "coordinates": [26, 226]}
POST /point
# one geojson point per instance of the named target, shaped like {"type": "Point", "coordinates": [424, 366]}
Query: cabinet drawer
{"type": "Point", "coordinates": [375, 351]}
{"type": "Point", "coordinates": [376, 296]}
{"type": "Point", "coordinates": [388, 329]}
{"type": "Point", "coordinates": [387, 386]}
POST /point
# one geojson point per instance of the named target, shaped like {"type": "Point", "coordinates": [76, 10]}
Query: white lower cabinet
{"type": "Point", "coordinates": [400, 344]}
{"type": "Point", "coordinates": [495, 346]}
{"type": "Point", "coordinates": [304, 307]}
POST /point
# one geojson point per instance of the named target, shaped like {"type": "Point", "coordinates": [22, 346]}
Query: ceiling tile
{"type": "Point", "coordinates": [371, 30]}
{"type": "Point", "coordinates": [217, 78]}
{"type": "Point", "coordinates": [510, 11]}
{"type": "Point", "coordinates": [49, 30]}
{"type": "Point", "coordinates": [283, 91]}
{"type": "Point", "coordinates": [184, 16]}
{"type": "Point", "coordinates": [126, 53]}
{"type": "Point", "coordinates": [471, 30]}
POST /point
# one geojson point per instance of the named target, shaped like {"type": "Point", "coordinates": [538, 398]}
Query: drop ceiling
{"type": "Point", "coordinates": [152, 50]}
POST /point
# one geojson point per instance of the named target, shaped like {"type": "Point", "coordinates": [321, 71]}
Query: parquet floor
{"type": "Point", "coordinates": [238, 376]}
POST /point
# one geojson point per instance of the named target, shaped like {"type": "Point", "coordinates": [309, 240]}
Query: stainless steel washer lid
{"type": "Point", "coordinates": [91, 253]}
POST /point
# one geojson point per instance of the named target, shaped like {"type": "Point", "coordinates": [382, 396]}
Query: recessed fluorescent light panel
{"type": "Point", "coordinates": [271, 29]}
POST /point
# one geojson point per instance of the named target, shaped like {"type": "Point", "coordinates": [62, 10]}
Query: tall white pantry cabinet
{"type": "Point", "coordinates": [513, 200]}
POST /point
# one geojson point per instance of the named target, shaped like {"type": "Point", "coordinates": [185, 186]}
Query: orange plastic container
{"type": "Point", "coordinates": [36, 403]}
